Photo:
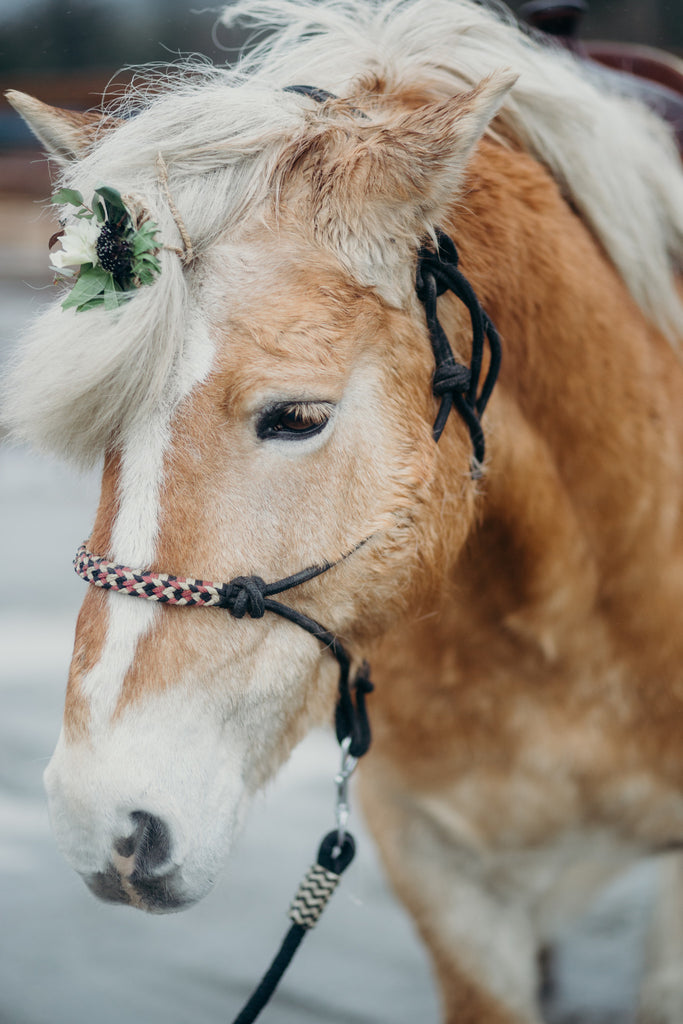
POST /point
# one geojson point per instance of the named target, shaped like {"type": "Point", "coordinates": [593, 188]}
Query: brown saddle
{"type": "Point", "coordinates": [649, 74]}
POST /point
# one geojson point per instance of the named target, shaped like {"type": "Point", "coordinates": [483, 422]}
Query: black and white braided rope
{"type": "Point", "coordinates": [313, 896]}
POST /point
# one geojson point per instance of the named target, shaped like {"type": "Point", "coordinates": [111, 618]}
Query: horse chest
{"type": "Point", "coordinates": [532, 772]}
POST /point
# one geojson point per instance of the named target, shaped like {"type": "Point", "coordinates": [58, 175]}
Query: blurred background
{"type": "Point", "coordinates": [64, 957]}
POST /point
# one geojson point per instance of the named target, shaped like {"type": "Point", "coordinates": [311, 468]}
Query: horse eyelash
{"type": "Point", "coordinates": [314, 414]}
{"type": "Point", "coordinates": [317, 412]}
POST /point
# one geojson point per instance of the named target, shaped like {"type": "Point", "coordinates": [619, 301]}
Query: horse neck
{"type": "Point", "coordinates": [578, 512]}
{"type": "Point", "coordinates": [583, 429]}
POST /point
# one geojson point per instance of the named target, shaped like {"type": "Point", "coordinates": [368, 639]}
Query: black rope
{"type": "Point", "coordinates": [246, 595]}
{"type": "Point", "coordinates": [454, 383]}
{"type": "Point", "coordinates": [351, 715]}
{"type": "Point", "coordinates": [250, 595]}
{"type": "Point", "coordinates": [331, 858]}
{"type": "Point", "coordinates": [271, 978]}
{"type": "Point", "coordinates": [321, 96]}
{"type": "Point", "coordinates": [312, 91]}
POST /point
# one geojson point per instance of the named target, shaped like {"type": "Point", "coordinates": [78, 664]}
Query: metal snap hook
{"type": "Point", "coordinates": [341, 779]}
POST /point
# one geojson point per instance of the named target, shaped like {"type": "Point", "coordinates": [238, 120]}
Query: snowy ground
{"type": "Point", "coordinates": [67, 959]}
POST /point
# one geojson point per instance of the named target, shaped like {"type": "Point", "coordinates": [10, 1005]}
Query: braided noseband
{"type": "Point", "coordinates": [246, 595]}
{"type": "Point", "coordinates": [456, 385]}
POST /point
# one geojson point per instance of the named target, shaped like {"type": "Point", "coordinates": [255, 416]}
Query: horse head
{"type": "Point", "coordinates": [263, 406]}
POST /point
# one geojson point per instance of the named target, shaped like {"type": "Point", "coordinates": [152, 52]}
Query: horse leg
{"type": "Point", "coordinates": [482, 947]}
{"type": "Point", "coordinates": [661, 994]}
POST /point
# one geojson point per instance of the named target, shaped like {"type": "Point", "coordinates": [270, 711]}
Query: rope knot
{"type": "Point", "coordinates": [245, 595]}
{"type": "Point", "coordinates": [437, 265]}
{"type": "Point", "coordinates": [450, 377]}
{"type": "Point", "coordinates": [423, 280]}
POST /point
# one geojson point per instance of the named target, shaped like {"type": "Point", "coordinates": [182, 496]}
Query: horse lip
{"type": "Point", "coordinates": [155, 895]}
{"type": "Point", "coordinates": [107, 885]}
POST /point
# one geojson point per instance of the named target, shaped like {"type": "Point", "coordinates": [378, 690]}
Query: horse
{"type": "Point", "coordinates": [265, 404]}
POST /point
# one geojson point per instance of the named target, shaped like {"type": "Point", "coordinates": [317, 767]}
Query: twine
{"type": "Point", "coordinates": [187, 253]}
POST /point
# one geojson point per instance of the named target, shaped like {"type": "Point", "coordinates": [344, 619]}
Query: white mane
{"type": "Point", "coordinates": [80, 376]}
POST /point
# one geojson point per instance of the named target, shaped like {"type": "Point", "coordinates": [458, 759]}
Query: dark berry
{"type": "Point", "coordinates": [113, 252]}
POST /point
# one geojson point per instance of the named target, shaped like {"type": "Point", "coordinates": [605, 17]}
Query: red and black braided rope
{"type": "Point", "coordinates": [160, 587]}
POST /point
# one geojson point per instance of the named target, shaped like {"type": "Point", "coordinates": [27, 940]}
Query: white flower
{"type": "Point", "coordinates": [78, 244]}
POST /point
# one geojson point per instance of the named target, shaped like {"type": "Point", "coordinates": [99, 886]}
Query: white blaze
{"type": "Point", "coordinates": [94, 783]}
{"type": "Point", "coordinates": [135, 531]}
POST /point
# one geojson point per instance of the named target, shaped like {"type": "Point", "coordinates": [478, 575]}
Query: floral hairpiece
{"type": "Point", "coordinates": [114, 250]}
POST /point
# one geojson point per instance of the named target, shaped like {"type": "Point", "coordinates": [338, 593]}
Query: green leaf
{"type": "Point", "coordinates": [146, 271]}
{"type": "Point", "coordinates": [114, 206]}
{"type": "Point", "coordinates": [142, 248]}
{"type": "Point", "coordinates": [145, 238]}
{"type": "Point", "coordinates": [148, 230]}
{"type": "Point", "coordinates": [111, 196]}
{"type": "Point", "coordinates": [90, 284]}
{"type": "Point", "coordinates": [93, 304]}
{"type": "Point", "coordinates": [115, 212]}
{"type": "Point", "coordinates": [68, 195]}
{"type": "Point", "coordinates": [113, 294]}
{"type": "Point", "coordinates": [99, 210]}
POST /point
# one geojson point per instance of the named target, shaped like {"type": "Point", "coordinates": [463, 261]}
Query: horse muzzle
{"type": "Point", "coordinates": [142, 873]}
{"type": "Point", "coordinates": [133, 840]}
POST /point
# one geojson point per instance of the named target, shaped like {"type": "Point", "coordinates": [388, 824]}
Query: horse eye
{"type": "Point", "coordinates": [294, 420]}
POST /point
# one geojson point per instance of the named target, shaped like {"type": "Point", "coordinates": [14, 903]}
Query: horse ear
{"type": "Point", "coordinates": [397, 180]}
{"type": "Point", "coordinates": [66, 134]}
{"type": "Point", "coordinates": [427, 150]}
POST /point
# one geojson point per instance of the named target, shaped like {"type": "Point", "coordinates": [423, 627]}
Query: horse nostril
{"type": "Point", "coordinates": [149, 844]}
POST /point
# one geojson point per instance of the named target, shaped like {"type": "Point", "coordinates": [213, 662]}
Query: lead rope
{"type": "Point", "coordinates": [336, 852]}
{"type": "Point", "coordinates": [338, 848]}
